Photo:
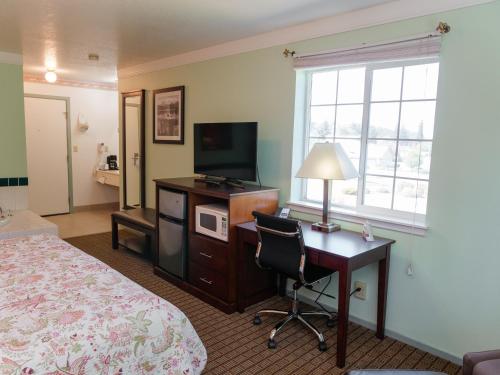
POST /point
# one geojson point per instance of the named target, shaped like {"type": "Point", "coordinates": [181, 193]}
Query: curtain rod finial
{"type": "Point", "coordinates": [443, 28]}
{"type": "Point", "coordinates": [287, 52]}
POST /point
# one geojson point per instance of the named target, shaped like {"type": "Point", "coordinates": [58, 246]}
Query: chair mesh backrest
{"type": "Point", "coordinates": [280, 253]}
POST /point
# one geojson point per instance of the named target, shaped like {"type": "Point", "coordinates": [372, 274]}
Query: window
{"type": "Point", "coordinates": [383, 115]}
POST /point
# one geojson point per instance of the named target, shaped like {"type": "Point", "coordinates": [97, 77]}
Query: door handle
{"type": "Point", "coordinates": [205, 255]}
{"type": "Point", "coordinates": [209, 282]}
{"type": "Point", "coordinates": [135, 158]}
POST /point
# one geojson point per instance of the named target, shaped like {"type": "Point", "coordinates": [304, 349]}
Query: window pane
{"type": "Point", "coordinates": [351, 86]}
{"type": "Point", "coordinates": [386, 84]}
{"type": "Point", "coordinates": [381, 157]}
{"type": "Point", "coordinates": [322, 120]}
{"type": "Point", "coordinates": [378, 191]}
{"type": "Point", "coordinates": [420, 81]}
{"type": "Point", "coordinates": [417, 120]}
{"type": "Point", "coordinates": [384, 118]}
{"type": "Point", "coordinates": [324, 88]}
{"type": "Point", "coordinates": [314, 190]}
{"type": "Point", "coordinates": [352, 148]}
{"type": "Point", "coordinates": [414, 159]}
{"type": "Point", "coordinates": [349, 119]}
{"type": "Point", "coordinates": [345, 193]}
{"type": "Point", "coordinates": [411, 195]}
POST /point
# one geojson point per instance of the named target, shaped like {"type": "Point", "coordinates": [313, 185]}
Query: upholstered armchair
{"type": "Point", "coordinates": [482, 363]}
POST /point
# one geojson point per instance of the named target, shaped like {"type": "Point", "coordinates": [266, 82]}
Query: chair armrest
{"type": "Point", "coordinates": [472, 359]}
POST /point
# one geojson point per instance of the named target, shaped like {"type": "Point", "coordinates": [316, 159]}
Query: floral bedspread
{"type": "Point", "coordinates": [64, 312]}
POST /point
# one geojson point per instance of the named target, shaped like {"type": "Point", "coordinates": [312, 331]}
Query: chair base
{"type": "Point", "coordinates": [295, 314]}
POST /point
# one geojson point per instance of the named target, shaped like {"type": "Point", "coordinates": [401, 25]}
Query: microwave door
{"type": "Point", "coordinates": [209, 222]}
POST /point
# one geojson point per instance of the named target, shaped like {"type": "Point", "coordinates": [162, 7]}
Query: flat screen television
{"type": "Point", "coordinates": [227, 150]}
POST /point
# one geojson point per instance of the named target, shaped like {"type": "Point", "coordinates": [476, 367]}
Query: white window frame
{"type": "Point", "coordinates": [360, 212]}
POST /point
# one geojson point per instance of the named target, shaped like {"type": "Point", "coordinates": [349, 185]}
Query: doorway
{"type": "Point", "coordinates": [133, 149]}
{"type": "Point", "coordinates": [48, 146]}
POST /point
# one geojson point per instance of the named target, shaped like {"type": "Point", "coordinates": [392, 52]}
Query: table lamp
{"type": "Point", "coordinates": [327, 161]}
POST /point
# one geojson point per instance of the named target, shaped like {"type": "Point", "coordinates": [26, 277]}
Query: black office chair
{"type": "Point", "coordinates": [281, 248]}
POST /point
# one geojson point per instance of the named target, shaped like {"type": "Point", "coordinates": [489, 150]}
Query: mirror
{"type": "Point", "coordinates": [133, 149]}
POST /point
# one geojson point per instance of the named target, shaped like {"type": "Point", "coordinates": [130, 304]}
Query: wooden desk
{"type": "Point", "coordinates": [342, 251]}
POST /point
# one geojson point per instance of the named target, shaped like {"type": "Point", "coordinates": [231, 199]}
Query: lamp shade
{"type": "Point", "coordinates": [327, 161]}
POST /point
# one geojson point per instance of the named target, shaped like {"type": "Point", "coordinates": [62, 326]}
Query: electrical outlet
{"type": "Point", "coordinates": [75, 148]}
{"type": "Point", "coordinates": [362, 293]}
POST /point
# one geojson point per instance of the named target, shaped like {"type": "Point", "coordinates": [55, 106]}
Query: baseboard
{"type": "Point", "coordinates": [96, 207]}
{"type": "Point", "coordinates": [390, 333]}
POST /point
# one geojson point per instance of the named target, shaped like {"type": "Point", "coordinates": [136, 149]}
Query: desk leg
{"type": "Point", "coordinates": [114, 234]}
{"type": "Point", "coordinates": [383, 275]}
{"type": "Point", "coordinates": [343, 314]}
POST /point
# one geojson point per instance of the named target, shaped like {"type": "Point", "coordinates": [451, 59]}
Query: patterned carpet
{"type": "Point", "coordinates": [236, 346]}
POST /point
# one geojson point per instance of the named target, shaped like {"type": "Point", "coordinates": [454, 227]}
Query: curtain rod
{"type": "Point", "coordinates": [441, 29]}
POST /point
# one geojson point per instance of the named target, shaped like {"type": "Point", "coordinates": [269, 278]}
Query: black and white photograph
{"type": "Point", "coordinates": [168, 105]}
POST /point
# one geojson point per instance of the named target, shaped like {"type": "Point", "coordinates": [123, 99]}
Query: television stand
{"type": "Point", "coordinates": [214, 267]}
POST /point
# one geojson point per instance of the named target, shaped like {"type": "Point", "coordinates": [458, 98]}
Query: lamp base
{"type": "Point", "coordinates": [325, 227]}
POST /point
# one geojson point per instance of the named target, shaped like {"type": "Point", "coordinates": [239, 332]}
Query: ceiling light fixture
{"type": "Point", "coordinates": [50, 76]}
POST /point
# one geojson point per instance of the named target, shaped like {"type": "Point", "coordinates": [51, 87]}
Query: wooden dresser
{"type": "Point", "coordinates": [212, 264]}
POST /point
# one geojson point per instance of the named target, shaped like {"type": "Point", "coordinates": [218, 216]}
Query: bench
{"type": "Point", "coordinates": [140, 219]}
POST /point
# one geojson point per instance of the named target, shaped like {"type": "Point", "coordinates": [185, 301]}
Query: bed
{"type": "Point", "coordinates": [65, 312]}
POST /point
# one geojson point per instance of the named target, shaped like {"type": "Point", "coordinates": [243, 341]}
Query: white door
{"type": "Point", "coordinates": [47, 151]}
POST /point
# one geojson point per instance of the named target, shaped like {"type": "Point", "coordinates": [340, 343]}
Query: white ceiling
{"type": "Point", "coordinates": [126, 33]}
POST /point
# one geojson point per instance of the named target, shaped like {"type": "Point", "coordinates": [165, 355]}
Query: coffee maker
{"type": "Point", "coordinates": [112, 162]}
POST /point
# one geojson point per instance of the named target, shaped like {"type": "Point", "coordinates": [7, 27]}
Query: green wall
{"type": "Point", "coordinates": [12, 134]}
{"type": "Point", "coordinates": [452, 303]}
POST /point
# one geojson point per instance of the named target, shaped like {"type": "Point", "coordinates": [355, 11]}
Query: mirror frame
{"type": "Point", "coordinates": [142, 147]}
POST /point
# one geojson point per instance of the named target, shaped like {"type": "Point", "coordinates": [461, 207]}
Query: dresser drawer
{"type": "Point", "coordinates": [208, 252]}
{"type": "Point", "coordinates": [208, 280]}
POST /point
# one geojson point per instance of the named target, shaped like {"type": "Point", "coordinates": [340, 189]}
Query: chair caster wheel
{"type": "Point", "coordinates": [257, 320]}
{"type": "Point", "coordinates": [322, 346]}
{"type": "Point", "coordinates": [330, 323]}
{"type": "Point", "coordinates": [271, 344]}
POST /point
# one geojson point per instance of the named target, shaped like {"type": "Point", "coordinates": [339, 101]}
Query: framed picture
{"type": "Point", "coordinates": [168, 116]}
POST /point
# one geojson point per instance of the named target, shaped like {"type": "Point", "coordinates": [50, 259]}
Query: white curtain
{"type": "Point", "coordinates": [414, 48]}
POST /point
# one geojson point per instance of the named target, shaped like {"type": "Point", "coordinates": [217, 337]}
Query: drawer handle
{"type": "Point", "coordinates": [209, 282]}
{"type": "Point", "coordinates": [205, 255]}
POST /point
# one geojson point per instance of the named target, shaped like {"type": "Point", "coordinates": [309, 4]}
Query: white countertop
{"type": "Point", "coordinates": [26, 223]}
{"type": "Point", "coordinates": [109, 171]}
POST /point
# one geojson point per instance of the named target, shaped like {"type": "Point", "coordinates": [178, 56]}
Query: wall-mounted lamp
{"type": "Point", "coordinates": [51, 76]}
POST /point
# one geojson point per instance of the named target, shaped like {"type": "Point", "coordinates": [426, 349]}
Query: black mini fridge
{"type": "Point", "coordinates": [172, 232]}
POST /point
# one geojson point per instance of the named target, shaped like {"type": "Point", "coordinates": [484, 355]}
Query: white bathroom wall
{"type": "Point", "coordinates": [100, 109]}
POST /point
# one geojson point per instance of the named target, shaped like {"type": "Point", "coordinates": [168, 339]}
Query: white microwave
{"type": "Point", "coordinates": [212, 220]}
